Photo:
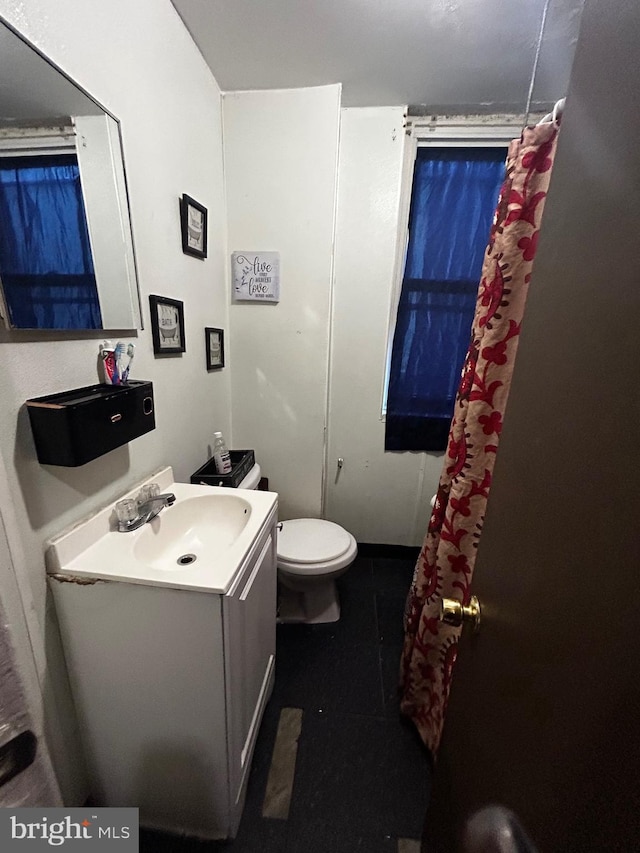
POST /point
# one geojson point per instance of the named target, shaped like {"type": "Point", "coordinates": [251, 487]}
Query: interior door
{"type": "Point", "coordinates": [545, 705]}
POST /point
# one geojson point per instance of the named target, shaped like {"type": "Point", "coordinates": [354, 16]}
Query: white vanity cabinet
{"type": "Point", "coordinates": [249, 640]}
{"type": "Point", "coordinates": [170, 684]}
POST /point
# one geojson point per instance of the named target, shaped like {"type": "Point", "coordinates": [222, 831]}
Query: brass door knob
{"type": "Point", "coordinates": [455, 613]}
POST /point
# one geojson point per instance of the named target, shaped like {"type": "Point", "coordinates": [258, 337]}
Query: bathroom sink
{"type": "Point", "coordinates": [191, 530]}
{"type": "Point", "coordinates": [200, 542]}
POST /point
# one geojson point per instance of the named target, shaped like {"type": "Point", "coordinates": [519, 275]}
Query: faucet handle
{"type": "Point", "coordinates": [151, 490]}
{"type": "Point", "coordinates": [126, 510]}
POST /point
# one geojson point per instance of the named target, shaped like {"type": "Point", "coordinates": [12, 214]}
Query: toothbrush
{"type": "Point", "coordinates": [119, 358]}
{"type": "Point", "coordinates": [130, 352]}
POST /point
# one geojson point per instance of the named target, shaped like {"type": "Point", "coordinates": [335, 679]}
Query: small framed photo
{"type": "Point", "coordinates": [214, 340]}
{"type": "Point", "coordinates": [193, 222]}
{"type": "Point", "coordinates": [167, 325]}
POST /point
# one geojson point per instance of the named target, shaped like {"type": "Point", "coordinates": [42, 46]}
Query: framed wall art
{"type": "Point", "coordinates": [214, 343]}
{"type": "Point", "coordinates": [193, 222]}
{"type": "Point", "coordinates": [167, 325]}
{"type": "Point", "coordinates": [255, 276]}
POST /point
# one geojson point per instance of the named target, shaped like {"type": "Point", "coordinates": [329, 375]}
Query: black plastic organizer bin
{"type": "Point", "coordinates": [74, 427]}
{"type": "Point", "coordinates": [242, 461]}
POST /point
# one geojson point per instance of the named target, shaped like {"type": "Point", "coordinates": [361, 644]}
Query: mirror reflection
{"type": "Point", "coordinates": [66, 250]}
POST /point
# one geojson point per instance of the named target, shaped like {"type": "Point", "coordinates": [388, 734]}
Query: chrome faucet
{"type": "Point", "coordinates": [146, 511]}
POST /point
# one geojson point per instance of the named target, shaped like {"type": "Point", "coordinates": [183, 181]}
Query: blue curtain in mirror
{"type": "Point", "coordinates": [454, 195]}
{"type": "Point", "coordinates": [46, 264]}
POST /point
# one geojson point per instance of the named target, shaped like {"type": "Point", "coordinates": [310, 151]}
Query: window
{"type": "Point", "coordinates": [46, 266]}
{"type": "Point", "coordinates": [453, 200]}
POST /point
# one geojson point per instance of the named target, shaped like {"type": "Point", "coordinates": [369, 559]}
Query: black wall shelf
{"type": "Point", "coordinates": [74, 427]}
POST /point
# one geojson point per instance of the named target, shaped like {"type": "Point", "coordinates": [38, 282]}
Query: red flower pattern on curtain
{"type": "Point", "coordinates": [445, 565]}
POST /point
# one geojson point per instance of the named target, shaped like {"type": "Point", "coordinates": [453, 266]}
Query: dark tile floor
{"type": "Point", "coordinates": [362, 775]}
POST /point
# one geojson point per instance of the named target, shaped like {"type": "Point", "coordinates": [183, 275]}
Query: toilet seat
{"type": "Point", "coordinates": [311, 540]}
{"type": "Point", "coordinates": [312, 546]}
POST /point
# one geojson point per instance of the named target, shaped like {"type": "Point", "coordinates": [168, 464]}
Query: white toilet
{"type": "Point", "coordinates": [312, 553]}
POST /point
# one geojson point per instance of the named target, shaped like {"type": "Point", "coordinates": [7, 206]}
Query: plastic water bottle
{"type": "Point", "coordinates": [221, 455]}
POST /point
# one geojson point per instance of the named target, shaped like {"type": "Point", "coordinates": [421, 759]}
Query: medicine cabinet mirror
{"type": "Point", "coordinates": [66, 248]}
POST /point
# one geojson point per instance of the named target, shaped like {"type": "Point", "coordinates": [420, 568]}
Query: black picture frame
{"type": "Point", "coordinates": [193, 225]}
{"type": "Point", "coordinates": [167, 325]}
{"type": "Point", "coordinates": [214, 344]}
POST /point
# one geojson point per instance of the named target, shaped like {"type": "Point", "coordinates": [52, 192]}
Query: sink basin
{"type": "Point", "coordinates": [192, 529]}
{"type": "Point", "coordinates": [199, 543]}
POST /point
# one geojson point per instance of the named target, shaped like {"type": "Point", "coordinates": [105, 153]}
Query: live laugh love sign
{"type": "Point", "coordinates": [256, 276]}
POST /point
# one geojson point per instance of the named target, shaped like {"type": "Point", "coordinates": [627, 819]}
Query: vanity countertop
{"type": "Point", "coordinates": [218, 526]}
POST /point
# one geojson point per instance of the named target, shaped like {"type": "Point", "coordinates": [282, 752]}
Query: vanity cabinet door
{"type": "Point", "coordinates": [250, 645]}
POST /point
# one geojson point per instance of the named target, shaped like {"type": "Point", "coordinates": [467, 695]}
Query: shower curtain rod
{"type": "Point", "coordinates": [556, 113]}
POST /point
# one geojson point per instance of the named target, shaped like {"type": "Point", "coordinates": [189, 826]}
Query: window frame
{"type": "Point", "coordinates": [437, 132]}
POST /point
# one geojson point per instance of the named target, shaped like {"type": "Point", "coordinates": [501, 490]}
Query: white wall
{"type": "Point", "coordinates": [379, 497]}
{"type": "Point", "coordinates": [280, 167]}
{"type": "Point", "coordinates": [138, 60]}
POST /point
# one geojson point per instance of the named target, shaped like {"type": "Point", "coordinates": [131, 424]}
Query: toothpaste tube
{"type": "Point", "coordinates": [108, 356]}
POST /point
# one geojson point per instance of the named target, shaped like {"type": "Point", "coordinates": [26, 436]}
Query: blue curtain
{"type": "Point", "coordinates": [454, 196]}
{"type": "Point", "coordinates": [45, 256]}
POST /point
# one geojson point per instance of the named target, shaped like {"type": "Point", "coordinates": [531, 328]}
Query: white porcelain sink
{"type": "Point", "coordinates": [196, 528]}
{"type": "Point", "coordinates": [198, 543]}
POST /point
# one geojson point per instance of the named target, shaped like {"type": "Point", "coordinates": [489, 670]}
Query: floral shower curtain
{"type": "Point", "coordinates": [446, 561]}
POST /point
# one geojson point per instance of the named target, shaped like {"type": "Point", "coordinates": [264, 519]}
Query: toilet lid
{"type": "Point", "coordinates": [311, 540]}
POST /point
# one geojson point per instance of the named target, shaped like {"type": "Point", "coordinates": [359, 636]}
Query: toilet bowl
{"type": "Point", "coordinates": [312, 553]}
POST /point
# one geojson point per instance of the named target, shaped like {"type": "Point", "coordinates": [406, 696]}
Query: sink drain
{"type": "Point", "coordinates": [186, 559]}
